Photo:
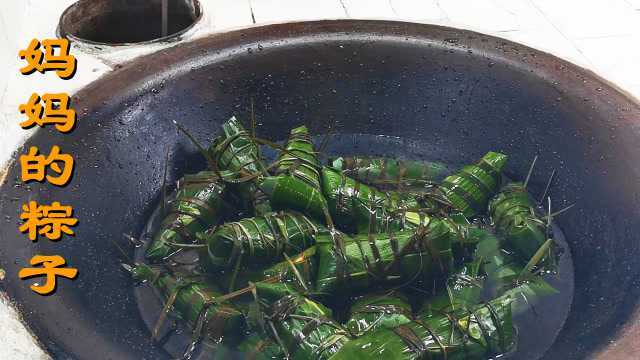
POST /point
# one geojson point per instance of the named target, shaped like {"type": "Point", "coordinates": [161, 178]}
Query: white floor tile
{"type": "Point", "coordinates": [633, 89]}
{"type": "Point", "coordinates": [13, 18]}
{"type": "Point", "coordinates": [293, 10]}
{"type": "Point", "coordinates": [549, 40]}
{"type": "Point", "coordinates": [483, 15]}
{"type": "Point", "coordinates": [614, 58]}
{"type": "Point", "coordinates": [526, 14]}
{"type": "Point", "coordinates": [589, 18]}
{"type": "Point", "coordinates": [6, 53]}
{"type": "Point", "coordinates": [47, 14]}
{"type": "Point", "coordinates": [417, 10]}
{"type": "Point", "coordinates": [228, 14]}
{"type": "Point", "coordinates": [368, 9]}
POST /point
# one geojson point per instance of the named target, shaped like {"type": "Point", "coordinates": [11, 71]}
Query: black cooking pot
{"type": "Point", "coordinates": [432, 87]}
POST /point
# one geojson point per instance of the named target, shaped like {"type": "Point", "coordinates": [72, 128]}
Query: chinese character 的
{"type": "Point", "coordinates": [34, 166]}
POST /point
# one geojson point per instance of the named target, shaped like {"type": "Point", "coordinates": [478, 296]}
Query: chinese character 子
{"type": "Point", "coordinates": [50, 221]}
{"type": "Point", "coordinates": [61, 61]}
{"type": "Point", "coordinates": [52, 266]}
{"type": "Point", "coordinates": [34, 166]}
{"type": "Point", "coordinates": [55, 111]}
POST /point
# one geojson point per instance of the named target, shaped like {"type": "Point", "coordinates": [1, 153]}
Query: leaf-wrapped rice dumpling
{"type": "Point", "coordinates": [236, 151]}
{"type": "Point", "coordinates": [237, 154]}
{"type": "Point", "coordinates": [514, 216]}
{"type": "Point", "coordinates": [389, 172]}
{"type": "Point", "coordinates": [304, 327]}
{"type": "Point", "coordinates": [259, 240]}
{"type": "Point", "coordinates": [195, 301]}
{"type": "Point", "coordinates": [484, 331]}
{"type": "Point", "coordinates": [296, 184]}
{"type": "Point", "coordinates": [199, 204]}
{"type": "Point", "coordinates": [352, 203]}
{"type": "Point", "coordinates": [298, 270]}
{"type": "Point", "coordinates": [470, 189]}
{"type": "Point", "coordinates": [376, 259]}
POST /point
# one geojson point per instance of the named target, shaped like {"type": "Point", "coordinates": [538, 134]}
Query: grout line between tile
{"type": "Point", "coordinates": [393, 9]}
{"type": "Point", "coordinates": [446, 15]}
{"type": "Point", "coordinates": [346, 12]}
{"type": "Point", "coordinates": [544, 15]}
{"type": "Point", "coordinates": [253, 16]}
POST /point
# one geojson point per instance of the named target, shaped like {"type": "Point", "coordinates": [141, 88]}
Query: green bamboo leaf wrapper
{"type": "Point", "coordinates": [301, 267]}
{"type": "Point", "coordinates": [299, 271]}
{"type": "Point", "coordinates": [485, 331]}
{"type": "Point", "coordinates": [351, 202]}
{"type": "Point", "coordinates": [299, 158]}
{"type": "Point", "coordinates": [305, 327]}
{"type": "Point", "coordinates": [195, 298]}
{"type": "Point", "coordinates": [371, 312]}
{"type": "Point", "coordinates": [470, 188]}
{"type": "Point", "coordinates": [296, 184]}
{"type": "Point", "coordinates": [199, 204]}
{"type": "Point", "coordinates": [388, 257]}
{"type": "Point", "coordinates": [259, 240]}
{"type": "Point", "coordinates": [290, 192]}
{"type": "Point", "coordinates": [513, 214]}
{"type": "Point", "coordinates": [463, 290]}
{"type": "Point", "coordinates": [505, 272]}
{"type": "Point", "coordinates": [236, 152]}
{"type": "Point", "coordinates": [388, 171]}
{"type": "Point", "coordinates": [259, 347]}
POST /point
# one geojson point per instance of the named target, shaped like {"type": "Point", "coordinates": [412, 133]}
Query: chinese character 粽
{"type": "Point", "coordinates": [50, 221]}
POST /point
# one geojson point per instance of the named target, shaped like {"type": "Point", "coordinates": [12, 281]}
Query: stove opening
{"type": "Point", "coordinates": [117, 22]}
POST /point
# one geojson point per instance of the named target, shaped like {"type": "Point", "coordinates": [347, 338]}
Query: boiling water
{"type": "Point", "coordinates": [537, 328]}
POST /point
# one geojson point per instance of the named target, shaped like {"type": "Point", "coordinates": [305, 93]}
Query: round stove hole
{"type": "Point", "coordinates": [118, 22]}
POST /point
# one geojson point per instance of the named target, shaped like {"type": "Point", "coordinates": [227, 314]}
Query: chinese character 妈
{"type": "Point", "coordinates": [62, 62]}
{"type": "Point", "coordinates": [55, 111]}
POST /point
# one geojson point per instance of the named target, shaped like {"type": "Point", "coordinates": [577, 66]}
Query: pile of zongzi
{"type": "Point", "coordinates": [361, 258]}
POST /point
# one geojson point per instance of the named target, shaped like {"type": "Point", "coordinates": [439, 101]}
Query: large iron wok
{"type": "Point", "coordinates": [460, 91]}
